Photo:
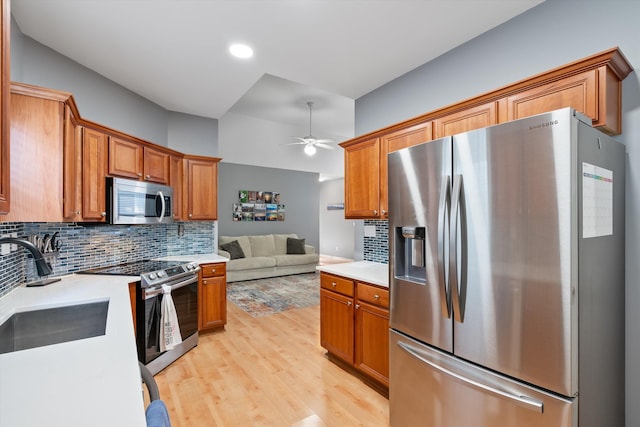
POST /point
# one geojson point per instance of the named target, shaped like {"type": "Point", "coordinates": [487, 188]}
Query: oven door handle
{"type": "Point", "coordinates": [150, 293]}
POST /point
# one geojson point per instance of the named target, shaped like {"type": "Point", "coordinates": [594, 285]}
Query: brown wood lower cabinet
{"type": "Point", "coordinates": [212, 296]}
{"type": "Point", "coordinates": [354, 325]}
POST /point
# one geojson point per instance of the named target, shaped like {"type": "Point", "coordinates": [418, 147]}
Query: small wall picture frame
{"type": "Point", "coordinates": [254, 205]}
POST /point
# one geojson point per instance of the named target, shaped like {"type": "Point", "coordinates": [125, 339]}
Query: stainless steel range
{"type": "Point", "coordinates": [182, 277]}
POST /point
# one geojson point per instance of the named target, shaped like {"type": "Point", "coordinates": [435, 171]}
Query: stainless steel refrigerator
{"type": "Point", "coordinates": [507, 277]}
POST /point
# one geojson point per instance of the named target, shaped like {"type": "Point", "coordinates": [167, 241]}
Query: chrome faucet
{"type": "Point", "coordinates": [41, 265]}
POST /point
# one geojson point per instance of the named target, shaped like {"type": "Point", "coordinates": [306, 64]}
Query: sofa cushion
{"type": "Point", "coordinates": [262, 245]}
{"type": "Point", "coordinates": [284, 260]}
{"type": "Point", "coordinates": [295, 246]}
{"type": "Point", "coordinates": [242, 240]}
{"type": "Point", "coordinates": [281, 242]}
{"type": "Point", "coordinates": [234, 249]}
{"type": "Point", "coordinates": [251, 263]}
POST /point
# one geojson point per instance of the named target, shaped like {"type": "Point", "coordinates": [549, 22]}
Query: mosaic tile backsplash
{"type": "Point", "coordinates": [88, 246]}
{"type": "Point", "coordinates": [376, 249]}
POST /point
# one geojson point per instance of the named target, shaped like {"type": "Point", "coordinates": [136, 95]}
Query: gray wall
{"type": "Point", "coordinates": [105, 102]}
{"type": "Point", "coordinates": [336, 233]}
{"type": "Point", "coordinates": [193, 134]}
{"type": "Point", "coordinates": [550, 35]}
{"type": "Point", "coordinates": [299, 192]}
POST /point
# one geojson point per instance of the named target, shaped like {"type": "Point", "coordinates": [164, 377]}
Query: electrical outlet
{"type": "Point", "coordinates": [369, 231]}
{"type": "Point", "coordinates": [5, 248]}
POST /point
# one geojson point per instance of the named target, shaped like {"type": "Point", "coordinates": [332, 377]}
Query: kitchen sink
{"type": "Point", "coordinates": [37, 328]}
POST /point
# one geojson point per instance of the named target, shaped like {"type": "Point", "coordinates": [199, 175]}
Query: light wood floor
{"type": "Point", "coordinates": [268, 371]}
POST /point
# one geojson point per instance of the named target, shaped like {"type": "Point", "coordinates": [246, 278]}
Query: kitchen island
{"type": "Point", "coordinates": [88, 382]}
{"type": "Point", "coordinates": [354, 319]}
{"type": "Point", "coordinates": [366, 271]}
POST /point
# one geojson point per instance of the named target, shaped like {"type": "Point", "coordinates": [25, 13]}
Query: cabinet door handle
{"type": "Point", "coordinates": [375, 212]}
{"type": "Point", "coordinates": [384, 212]}
{"type": "Point", "coordinates": [190, 215]}
{"type": "Point", "coordinates": [139, 173]}
{"type": "Point", "coordinates": [147, 176]}
{"type": "Point", "coordinates": [334, 284]}
{"type": "Point", "coordinates": [376, 296]}
{"type": "Point", "coordinates": [357, 306]}
{"type": "Point", "coordinates": [103, 214]}
{"type": "Point", "coordinates": [349, 303]}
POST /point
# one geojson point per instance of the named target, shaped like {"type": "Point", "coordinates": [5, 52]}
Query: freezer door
{"type": "Point", "coordinates": [513, 230]}
{"type": "Point", "coordinates": [419, 190]}
{"type": "Point", "coordinates": [430, 388]}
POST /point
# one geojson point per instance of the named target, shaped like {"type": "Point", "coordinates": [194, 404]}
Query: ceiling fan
{"type": "Point", "coordinates": [310, 142]}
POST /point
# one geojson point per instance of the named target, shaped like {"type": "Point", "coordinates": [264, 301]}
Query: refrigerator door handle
{"type": "Point", "coordinates": [444, 207]}
{"type": "Point", "coordinates": [458, 285]}
{"type": "Point", "coordinates": [522, 401]}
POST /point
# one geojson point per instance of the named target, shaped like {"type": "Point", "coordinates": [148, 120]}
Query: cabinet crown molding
{"type": "Point", "coordinates": [613, 59]}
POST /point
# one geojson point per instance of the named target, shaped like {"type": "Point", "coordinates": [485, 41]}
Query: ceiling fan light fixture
{"type": "Point", "coordinates": [309, 150]}
{"type": "Point", "coordinates": [241, 51]}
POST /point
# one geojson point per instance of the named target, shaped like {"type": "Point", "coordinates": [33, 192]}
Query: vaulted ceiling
{"type": "Point", "coordinates": [174, 52]}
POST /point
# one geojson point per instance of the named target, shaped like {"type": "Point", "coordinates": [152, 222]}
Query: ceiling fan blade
{"type": "Point", "coordinates": [326, 146]}
{"type": "Point", "coordinates": [305, 140]}
{"type": "Point", "coordinates": [295, 143]}
{"type": "Point", "coordinates": [312, 140]}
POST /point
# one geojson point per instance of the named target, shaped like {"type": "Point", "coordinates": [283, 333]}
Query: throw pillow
{"type": "Point", "coordinates": [295, 246]}
{"type": "Point", "coordinates": [234, 249]}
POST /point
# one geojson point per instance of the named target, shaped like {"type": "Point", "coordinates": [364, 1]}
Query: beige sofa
{"type": "Point", "coordinates": [266, 256]}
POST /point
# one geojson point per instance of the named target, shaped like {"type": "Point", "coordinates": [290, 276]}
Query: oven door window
{"type": "Point", "coordinates": [185, 300]}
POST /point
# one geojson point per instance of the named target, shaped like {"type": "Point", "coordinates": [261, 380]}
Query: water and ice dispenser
{"type": "Point", "coordinates": [410, 253]}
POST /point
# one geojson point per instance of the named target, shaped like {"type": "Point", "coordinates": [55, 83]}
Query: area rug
{"type": "Point", "coordinates": [263, 297]}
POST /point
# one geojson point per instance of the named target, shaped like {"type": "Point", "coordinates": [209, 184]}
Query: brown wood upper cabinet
{"type": "Point", "coordinates": [67, 159]}
{"type": "Point", "coordinates": [591, 85]}
{"type": "Point", "coordinates": [133, 160]}
{"type": "Point", "coordinates": [85, 170]}
{"type": "Point", "coordinates": [72, 167]}
{"type": "Point", "coordinates": [366, 170]}
{"type": "Point", "coordinates": [95, 152]}
{"type": "Point", "coordinates": [466, 120]}
{"type": "Point", "coordinates": [362, 181]}
{"type": "Point", "coordinates": [37, 124]}
{"type": "Point", "coordinates": [176, 176]}
{"type": "Point", "coordinates": [5, 93]}
{"type": "Point", "coordinates": [408, 137]}
{"type": "Point", "coordinates": [200, 188]}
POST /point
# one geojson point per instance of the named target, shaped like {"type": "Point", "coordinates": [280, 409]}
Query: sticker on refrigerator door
{"type": "Point", "coordinates": [597, 201]}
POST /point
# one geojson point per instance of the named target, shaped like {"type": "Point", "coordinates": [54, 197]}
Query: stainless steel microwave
{"type": "Point", "coordinates": [138, 202]}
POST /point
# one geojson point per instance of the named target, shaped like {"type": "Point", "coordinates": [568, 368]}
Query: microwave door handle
{"type": "Point", "coordinates": [159, 194]}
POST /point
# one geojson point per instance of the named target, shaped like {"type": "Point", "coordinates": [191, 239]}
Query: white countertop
{"type": "Point", "coordinates": [90, 382]}
{"type": "Point", "coordinates": [200, 259]}
{"type": "Point", "coordinates": [366, 271]}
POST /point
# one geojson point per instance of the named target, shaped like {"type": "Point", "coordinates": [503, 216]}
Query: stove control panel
{"type": "Point", "coordinates": [166, 275]}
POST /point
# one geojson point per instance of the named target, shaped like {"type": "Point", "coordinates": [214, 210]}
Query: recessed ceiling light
{"type": "Point", "coordinates": [241, 51]}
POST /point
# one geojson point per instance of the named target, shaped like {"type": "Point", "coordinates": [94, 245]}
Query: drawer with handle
{"type": "Point", "coordinates": [213, 270]}
{"type": "Point", "coordinates": [336, 284]}
{"type": "Point", "coordinates": [373, 295]}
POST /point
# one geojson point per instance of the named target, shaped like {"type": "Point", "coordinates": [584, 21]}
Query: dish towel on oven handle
{"type": "Point", "coordinates": [169, 328]}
